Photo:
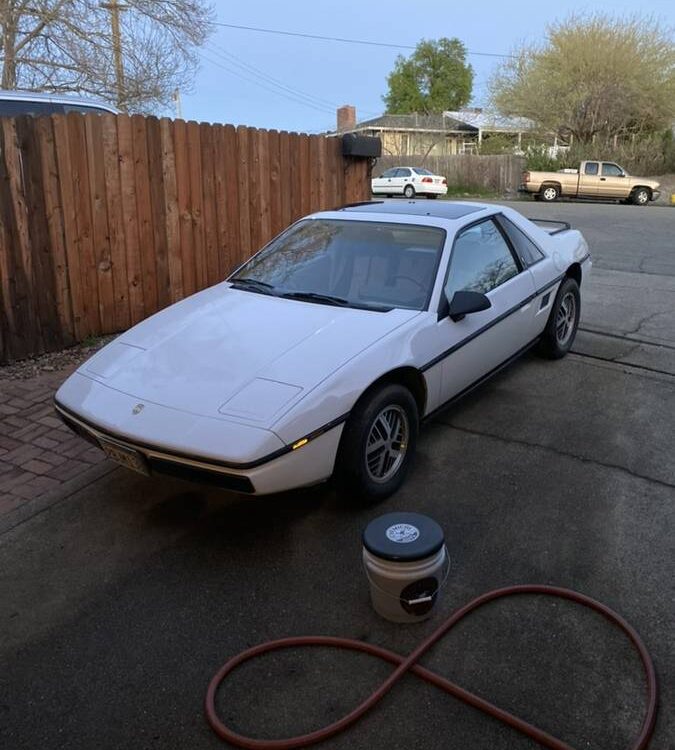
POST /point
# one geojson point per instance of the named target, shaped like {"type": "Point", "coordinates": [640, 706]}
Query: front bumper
{"type": "Point", "coordinates": [161, 440]}
{"type": "Point", "coordinates": [310, 464]}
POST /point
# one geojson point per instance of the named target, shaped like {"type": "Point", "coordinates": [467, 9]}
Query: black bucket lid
{"type": "Point", "coordinates": [403, 537]}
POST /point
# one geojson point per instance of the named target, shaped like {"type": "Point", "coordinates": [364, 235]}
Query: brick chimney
{"type": "Point", "coordinates": [346, 117]}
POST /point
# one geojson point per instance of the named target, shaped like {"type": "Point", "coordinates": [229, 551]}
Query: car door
{"type": "Point", "coordinates": [613, 182]}
{"type": "Point", "coordinates": [402, 178]}
{"type": "Point", "coordinates": [483, 260]}
{"type": "Point", "coordinates": [589, 179]}
{"type": "Point", "coordinates": [383, 183]}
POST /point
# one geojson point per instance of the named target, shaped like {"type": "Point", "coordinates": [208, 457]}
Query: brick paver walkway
{"type": "Point", "coordinates": [38, 453]}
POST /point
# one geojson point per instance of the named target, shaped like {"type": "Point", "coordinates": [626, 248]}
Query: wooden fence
{"type": "Point", "coordinates": [106, 219]}
{"type": "Point", "coordinates": [499, 174]}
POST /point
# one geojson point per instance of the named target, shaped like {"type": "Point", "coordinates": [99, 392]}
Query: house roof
{"type": "Point", "coordinates": [457, 121]}
{"type": "Point", "coordinates": [415, 121]}
{"type": "Point", "coordinates": [479, 119]}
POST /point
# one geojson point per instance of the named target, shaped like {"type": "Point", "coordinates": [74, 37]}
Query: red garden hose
{"type": "Point", "coordinates": [409, 664]}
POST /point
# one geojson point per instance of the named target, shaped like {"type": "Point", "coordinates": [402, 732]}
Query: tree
{"type": "Point", "coordinates": [135, 54]}
{"type": "Point", "coordinates": [434, 78]}
{"type": "Point", "coordinates": [595, 76]}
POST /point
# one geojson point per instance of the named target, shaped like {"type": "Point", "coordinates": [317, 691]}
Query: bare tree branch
{"type": "Point", "coordinates": [67, 45]}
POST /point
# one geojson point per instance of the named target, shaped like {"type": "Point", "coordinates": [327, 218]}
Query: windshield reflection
{"type": "Point", "coordinates": [360, 263]}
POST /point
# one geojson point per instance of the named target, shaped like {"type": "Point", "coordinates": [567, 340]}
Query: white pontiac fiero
{"type": "Point", "coordinates": [322, 354]}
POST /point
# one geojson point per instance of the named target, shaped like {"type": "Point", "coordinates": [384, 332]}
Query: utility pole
{"type": "Point", "coordinates": [178, 104]}
{"type": "Point", "coordinates": [114, 6]}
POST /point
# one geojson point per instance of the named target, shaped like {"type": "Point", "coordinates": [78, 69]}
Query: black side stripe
{"type": "Point", "coordinates": [480, 380]}
{"type": "Point", "coordinates": [492, 323]}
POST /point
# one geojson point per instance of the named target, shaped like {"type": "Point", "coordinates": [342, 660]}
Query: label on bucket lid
{"type": "Point", "coordinates": [403, 537]}
{"type": "Point", "coordinates": [402, 533]}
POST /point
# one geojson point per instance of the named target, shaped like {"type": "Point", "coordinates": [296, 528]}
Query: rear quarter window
{"type": "Point", "coordinates": [528, 252]}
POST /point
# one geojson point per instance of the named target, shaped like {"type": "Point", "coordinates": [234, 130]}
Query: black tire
{"type": "Point", "coordinates": [409, 191]}
{"type": "Point", "coordinates": [549, 193]}
{"type": "Point", "coordinates": [641, 196]}
{"type": "Point", "coordinates": [563, 321]}
{"type": "Point", "coordinates": [355, 476]}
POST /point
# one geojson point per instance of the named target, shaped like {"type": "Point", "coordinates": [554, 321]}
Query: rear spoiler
{"type": "Point", "coordinates": [552, 227]}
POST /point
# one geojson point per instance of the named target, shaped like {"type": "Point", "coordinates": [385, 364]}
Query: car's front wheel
{"type": "Point", "coordinates": [641, 197]}
{"type": "Point", "coordinates": [409, 191]}
{"type": "Point", "coordinates": [378, 443]}
{"type": "Point", "coordinates": [561, 328]}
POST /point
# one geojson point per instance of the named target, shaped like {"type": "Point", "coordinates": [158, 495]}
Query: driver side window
{"type": "Point", "coordinates": [611, 170]}
{"type": "Point", "coordinates": [481, 260]}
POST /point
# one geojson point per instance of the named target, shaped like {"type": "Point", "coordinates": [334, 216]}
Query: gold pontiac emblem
{"type": "Point", "coordinates": [137, 409]}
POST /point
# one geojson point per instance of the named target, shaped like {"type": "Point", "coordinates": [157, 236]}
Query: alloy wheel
{"type": "Point", "coordinates": [565, 319]}
{"type": "Point", "coordinates": [387, 443]}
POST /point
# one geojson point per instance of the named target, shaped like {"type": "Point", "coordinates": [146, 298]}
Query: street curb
{"type": "Point", "coordinates": [32, 508]}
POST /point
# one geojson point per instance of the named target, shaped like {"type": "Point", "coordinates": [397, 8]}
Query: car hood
{"type": "Point", "coordinates": [653, 184]}
{"type": "Point", "coordinates": [236, 354]}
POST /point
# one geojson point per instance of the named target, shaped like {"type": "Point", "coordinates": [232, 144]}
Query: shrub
{"type": "Point", "coordinates": [649, 155]}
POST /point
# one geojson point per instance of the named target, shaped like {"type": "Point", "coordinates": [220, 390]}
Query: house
{"type": "Point", "coordinates": [457, 132]}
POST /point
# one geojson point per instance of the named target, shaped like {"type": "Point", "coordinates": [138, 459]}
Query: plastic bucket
{"type": "Point", "coordinates": [406, 563]}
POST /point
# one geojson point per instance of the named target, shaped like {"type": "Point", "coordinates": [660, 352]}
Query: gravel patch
{"type": "Point", "coordinates": [52, 361]}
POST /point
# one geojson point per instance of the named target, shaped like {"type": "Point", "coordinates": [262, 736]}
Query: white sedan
{"type": "Point", "coordinates": [409, 181]}
{"type": "Point", "coordinates": [323, 353]}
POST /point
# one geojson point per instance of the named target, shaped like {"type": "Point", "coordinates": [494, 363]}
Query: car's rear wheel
{"type": "Point", "coordinates": [378, 443]}
{"type": "Point", "coordinates": [409, 191]}
{"type": "Point", "coordinates": [563, 321]}
{"type": "Point", "coordinates": [432, 196]}
{"type": "Point", "coordinates": [549, 193]}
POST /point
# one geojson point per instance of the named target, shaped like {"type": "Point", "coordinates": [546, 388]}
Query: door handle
{"type": "Point", "coordinates": [602, 179]}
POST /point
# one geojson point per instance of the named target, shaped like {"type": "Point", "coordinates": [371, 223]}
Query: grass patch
{"type": "Point", "coordinates": [465, 191]}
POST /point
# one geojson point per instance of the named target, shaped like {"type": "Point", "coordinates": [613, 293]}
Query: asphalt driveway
{"type": "Point", "coordinates": [119, 602]}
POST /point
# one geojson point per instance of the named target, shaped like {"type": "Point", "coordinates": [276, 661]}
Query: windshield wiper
{"type": "Point", "coordinates": [328, 299]}
{"type": "Point", "coordinates": [255, 284]}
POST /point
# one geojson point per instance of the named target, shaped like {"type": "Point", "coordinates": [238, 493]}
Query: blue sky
{"type": "Point", "coordinates": [233, 82]}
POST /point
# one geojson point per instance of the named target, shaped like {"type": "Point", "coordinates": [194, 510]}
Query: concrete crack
{"type": "Point", "coordinates": [623, 337]}
{"type": "Point", "coordinates": [646, 320]}
{"type": "Point", "coordinates": [619, 361]}
{"type": "Point", "coordinates": [558, 452]}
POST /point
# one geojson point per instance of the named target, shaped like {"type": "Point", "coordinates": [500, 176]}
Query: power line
{"type": "Point", "coordinates": [257, 73]}
{"type": "Point", "coordinates": [340, 39]}
{"type": "Point", "coordinates": [276, 82]}
{"type": "Point", "coordinates": [249, 79]}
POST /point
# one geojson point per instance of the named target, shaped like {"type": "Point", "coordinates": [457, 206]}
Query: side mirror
{"type": "Point", "coordinates": [465, 303]}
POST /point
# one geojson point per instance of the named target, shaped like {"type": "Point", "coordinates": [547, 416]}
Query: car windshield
{"type": "Point", "coordinates": [361, 264]}
{"type": "Point", "coordinates": [422, 170]}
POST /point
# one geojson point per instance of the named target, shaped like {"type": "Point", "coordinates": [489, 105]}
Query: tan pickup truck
{"type": "Point", "coordinates": [599, 180]}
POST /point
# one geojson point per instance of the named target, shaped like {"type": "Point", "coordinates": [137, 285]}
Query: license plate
{"type": "Point", "coordinates": [127, 457]}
